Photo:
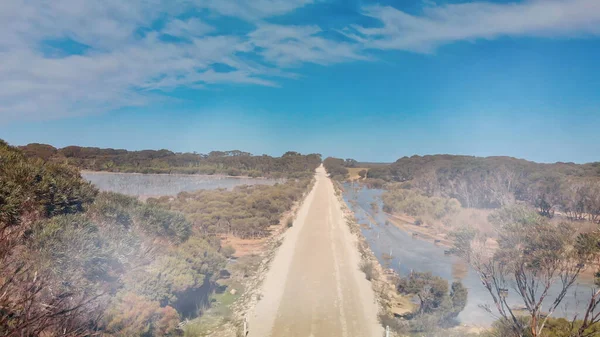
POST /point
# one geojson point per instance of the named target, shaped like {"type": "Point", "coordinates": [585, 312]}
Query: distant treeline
{"type": "Point", "coordinates": [233, 163]}
{"type": "Point", "coordinates": [493, 182]}
{"type": "Point", "coordinates": [76, 262]}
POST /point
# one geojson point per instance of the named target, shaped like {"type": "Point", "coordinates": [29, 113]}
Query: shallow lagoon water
{"type": "Point", "coordinates": [148, 185]}
{"type": "Point", "coordinates": [410, 253]}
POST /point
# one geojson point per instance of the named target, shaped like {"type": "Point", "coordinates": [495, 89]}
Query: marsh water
{"type": "Point", "coordinates": [149, 185]}
{"type": "Point", "coordinates": [409, 253]}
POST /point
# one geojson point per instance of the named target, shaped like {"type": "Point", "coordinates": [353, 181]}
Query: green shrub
{"type": "Point", "coordinates": [34, 186]}
{"type": "Point", "coordinates": [412, 203]}
{"type": "Point", "coordinates": [133, 315]}
{"type": "Point", "coordinates": [247, 211]}
{"type": "Point", "coordinates": [160, 222]}
{"type": "Point", "coordinates": [368, 268]}
{"type": "Point", "coordinates": [227, 251]}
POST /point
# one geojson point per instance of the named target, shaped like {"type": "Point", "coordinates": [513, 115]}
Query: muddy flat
{"type": "Point", "coordinates": [314, 286]}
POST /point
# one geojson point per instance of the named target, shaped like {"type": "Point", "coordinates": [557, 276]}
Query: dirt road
{"type": "Point", "coordinates": [314, 287]}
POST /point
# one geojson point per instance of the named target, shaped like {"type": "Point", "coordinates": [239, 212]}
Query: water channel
{"type": "Point", "coordinates": [410, 253]}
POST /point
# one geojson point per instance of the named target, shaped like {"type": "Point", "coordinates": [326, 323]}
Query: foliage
{"type": "Point", "coordinates": [555, 327]}
{"type": "Point", "coordinates": [336, 168]}
{"type": "Point", "coordinates": [133, 315]}
{"type": "Point", "coordinates": [493, 182]}
{"type": "Point", "coordinates": [579, 199]}
{"type": "Point", "coordinates": [31, 301]}
{"type": "Point", "coordinates": [438, 305]}
{"type": "Point", "coordinates": [66, 250]}
{"type": "Point", "coordinates": [413, 203]}
{"type": "Point", "coordinates": [33, 186]}
{"type": "Point", "coordinates": [164, 279]}
{"type": "Point", "coordinates": [368, 268]}
{"type": "Point", "coordinates": [234, 163]}
{"type": "Point", "coordinates": [163, 223]}
{"type": "Point", "coordinates": [71, 248]}
{"type": "Point", "coordinates": [534, 254]}
{"type": "Point", "coordinates": [246, 211]}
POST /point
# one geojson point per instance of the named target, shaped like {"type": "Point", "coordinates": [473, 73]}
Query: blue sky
{"type": "Point", "coordinates": [371, 80]}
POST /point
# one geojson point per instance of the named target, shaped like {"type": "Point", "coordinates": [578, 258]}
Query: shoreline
{"type": "Point", "coordinates": [390, 302]}
{"type": "Point", "coordinates": [180, 175]}
{"type": "Point", "coordinates": [424, 234]}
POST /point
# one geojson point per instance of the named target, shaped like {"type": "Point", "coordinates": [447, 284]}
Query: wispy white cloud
{"type": "Point", "coordinates": [126, 59]}
{"type": "Point", "coordinates": [439, 25]}
{"type": "Point", "coordinates": [255, 9]}
{"type": "Point", "coordinates": [292, 45]}
{"type": "Point", "coordinates": [191, 27]}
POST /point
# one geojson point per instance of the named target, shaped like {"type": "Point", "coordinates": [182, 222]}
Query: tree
{"type": "Point", "coordinates": [533, 255]}
{"type": "Point", "coordinates": [350, 162]}
{"type": "Point", "coordinates": [430, 290]}
{"type": "Point", "coordinates": [544, 193]}
{"type": "Point", "coordinates": [458, 296]}
{"type": "Point", "coordinates": [592, 202]}
{"type": "Point", "coordinates": [335, 167]}
{"type": "Point", "coordinates": [434, 296]}
{"type": "Point", "coordinates": [573, 198]}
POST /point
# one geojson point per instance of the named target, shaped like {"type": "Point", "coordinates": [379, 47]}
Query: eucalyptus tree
{"type": "Point", "coordinates": [533, 256]}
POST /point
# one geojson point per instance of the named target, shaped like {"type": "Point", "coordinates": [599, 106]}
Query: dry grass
{"type": "Point", "coordinates": [438, 230]}
{"type": "Point", "coordinates": [475, 218]}
{"type": "Point", "coordinates": [244, 247]}
{"type": "Point", "coordinates": [353, 172]}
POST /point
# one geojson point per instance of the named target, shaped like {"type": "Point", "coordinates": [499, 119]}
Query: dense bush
{"type": "Point", "coordinates": [161, 223]}
{"type": "Point", "coordinates": [73, 250]}
{"type": "Point", "coordinates": [246, 211]}
{"type": "Point", "coordinates": [34, 187]}
{"type": "Point", "coordinates": [34, 300]}
{"type": "Point", "coordinates": [133, 315]}
{"type": "Point", "coordinates": [336, 168]}
{"type": "Point", "coordinates": [66, 251]}
{"type": "Point", "coordinates": [413, 203]}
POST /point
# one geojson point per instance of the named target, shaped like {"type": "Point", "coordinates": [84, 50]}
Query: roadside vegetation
{"type": "Point", "coordinates": [232, 163]}
{"type": "Point", "coordinates": [523, 227]}
{"type": "Point", "coordinates": [245, 212]}
{"type": "Point", "coordinates": [77, 262]}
